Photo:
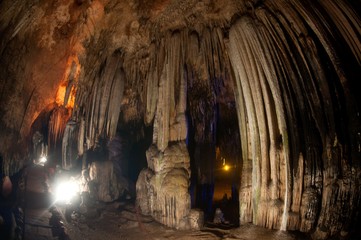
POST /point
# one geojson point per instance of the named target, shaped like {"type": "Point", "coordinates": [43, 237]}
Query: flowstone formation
{"type": "Point", "coordinates": [81, 72]}
{"type": "Point", "coordinates": [290, 119]}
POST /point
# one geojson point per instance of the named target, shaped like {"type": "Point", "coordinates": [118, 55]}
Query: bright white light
{"type": "Point", "coordinates": [42, 160]}
{"type": "Point", "coordinates": [66, 190]}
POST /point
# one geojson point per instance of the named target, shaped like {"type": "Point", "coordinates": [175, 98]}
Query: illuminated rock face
{"type": "Point", "coordinates": [290, 68]}
{"type": "Point", "coordinates": [108, 185]}
{"type": "Point", "coordinates": [162, 190]}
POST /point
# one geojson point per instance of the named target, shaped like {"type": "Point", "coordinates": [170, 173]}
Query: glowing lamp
{"type": "Point", "coordinates": [43, 160]}
{"type": "Point", "coordinates": [66, 191]}
{"type": "Point", "coordinates": [226, 167]}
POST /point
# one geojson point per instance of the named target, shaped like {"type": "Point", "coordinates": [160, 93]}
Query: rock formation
{"type": "Point", "coordinates": [78, 71]}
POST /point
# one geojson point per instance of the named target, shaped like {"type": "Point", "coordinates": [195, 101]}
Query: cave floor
{"type": "Point", "coordinates": [121, 220]}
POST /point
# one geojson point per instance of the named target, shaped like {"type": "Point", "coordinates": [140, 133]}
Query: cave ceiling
{"type": "Point", "coordinates": [61, 53]}
{"type": "Point", "coordinates": [103, 61]}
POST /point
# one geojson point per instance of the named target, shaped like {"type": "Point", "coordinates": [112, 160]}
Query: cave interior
{"type": "Point", "coordinates": [184, 107]}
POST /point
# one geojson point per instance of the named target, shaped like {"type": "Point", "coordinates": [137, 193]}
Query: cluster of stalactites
{"type": "Point", "coordinates": [287, 116]}
{"type": "Point", "coordinates": [157, 81]}
{"type": "Point", "coordinates": [98, 104]}
{"type": "Point", "coordinates": [186, 73]}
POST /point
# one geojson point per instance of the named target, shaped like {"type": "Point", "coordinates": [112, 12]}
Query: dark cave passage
{"type": "Point", "coordinates": [129, 149]}
{"type": "Point", "coordinates": [216, 167]}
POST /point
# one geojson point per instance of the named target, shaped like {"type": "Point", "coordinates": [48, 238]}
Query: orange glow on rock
{"type": "Point", "coordinates": [71, 99]}
{"type": "Point", "coordinates": [60, 95]}
{"type": "Point", "coordinates": [67, 89]}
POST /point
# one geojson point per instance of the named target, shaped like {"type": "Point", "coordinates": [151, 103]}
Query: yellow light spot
{"type": "Point", "coordinates": [226, 167]}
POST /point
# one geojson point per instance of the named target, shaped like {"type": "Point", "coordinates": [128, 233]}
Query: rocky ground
{"type": "Point", "coordinates": [96, 220]}
{"type": "Point", "coordinates": [121, 220]}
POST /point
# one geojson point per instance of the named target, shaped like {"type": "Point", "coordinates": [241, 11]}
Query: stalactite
{"type": "Point", "coordinates": [161, 124]}
{"type": "Point", "coordinates": [69, 147]}
{"type": "Point", "coordinates": [303, 68]}
{"type": "Point", "coordinates": [57, 124]}
{"type": "Point", "coordinates": [347, 23]}
{"type": "Point", "coordinates": [14, 19]}
{"type": "Point", "coordinates": [171, 100]}
{"type": "Point", "coordinates": [179, 122]}
{"type": "Point", "coordinates": [243, 67]}
{"type": "Point", "coordinates": [107, 77]}
{"type": "Point", "coordinates": [101, 106]}
{"type": "Point", "coordinates": [116, 96]}
{"type": "Point", "coordinates": [325, 35]}
{"type": "Point", "coordinates": [152, 86]}
{"type": "Point", "coordinates": [81, 137]}
{"type": "Point", "coordinates": [295, 87]}
{"type": "Point", "coordinates": [274, 88]}
{"type": "Point", "coordinates": [279, 102]}
{"type": "Point", "coordinates": [290, 72]}
{"type": "Point", "coordinates": [245, 194]}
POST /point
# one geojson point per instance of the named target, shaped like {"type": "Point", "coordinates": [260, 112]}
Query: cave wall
{"type": "Point", "coordinates": [291, 66]}
{"type": "Point", "coordinates": [291, 115]}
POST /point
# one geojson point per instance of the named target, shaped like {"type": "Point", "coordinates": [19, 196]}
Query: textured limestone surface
{"type": "Point", "coordinates": [106, 183]}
